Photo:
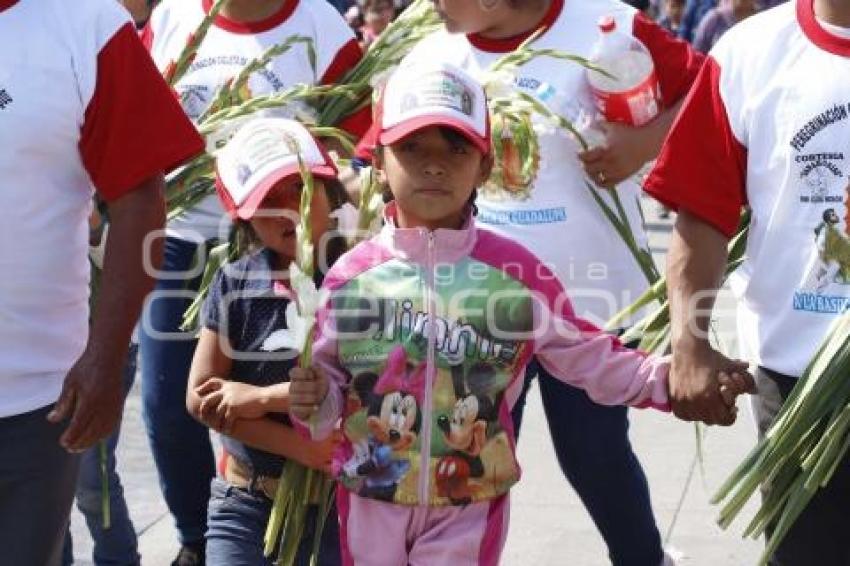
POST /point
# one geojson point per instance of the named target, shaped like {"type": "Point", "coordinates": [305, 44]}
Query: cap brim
{"type": "Point", "coordinates": [396, 133]}
{"type": "Point", "coordinates": [247, 209]}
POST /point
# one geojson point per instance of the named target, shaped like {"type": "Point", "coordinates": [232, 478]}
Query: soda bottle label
{"type": "Point", "coordinates": [634, 107]}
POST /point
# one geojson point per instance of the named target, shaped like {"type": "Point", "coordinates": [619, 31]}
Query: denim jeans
{"type": "Point", "coordinates": [237, 524]}
{"type": "Point", "coordinates": [37, 479]}
{"type": "Point", "coordinates": [592, 445]}
{"type": "Point", "coordinates": [117, 545]}
{"type": "Point", "coordinates": [181, 446]}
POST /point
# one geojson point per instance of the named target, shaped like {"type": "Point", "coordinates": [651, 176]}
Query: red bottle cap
{"type": "Point", "coordinates": [607, 24]}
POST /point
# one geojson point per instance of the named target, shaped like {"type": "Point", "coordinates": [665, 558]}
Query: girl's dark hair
{"type": "Point", "coordinates": [247, 241]}
{"type": "Point", "coordinates": [453, 137]}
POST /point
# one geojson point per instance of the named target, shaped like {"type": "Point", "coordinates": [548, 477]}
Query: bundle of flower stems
{"type": "Point", "coordinates": [300, 486]}
{"type": "Point", "coordinates": [802, 450]}
{"type": "Point", "coordinates": [326, 105]}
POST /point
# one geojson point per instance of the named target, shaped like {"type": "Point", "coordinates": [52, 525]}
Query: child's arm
{"type": "Point", "coordinates": [580, 354]}
{"type": "Point", "coordinates": [277, 438]}
{"type": "Point", "coordinates": [577, 353]}
{"type": "Point", "coordinates": [217, 401]}
{"type": "Point", "coordinates": [238, 409]}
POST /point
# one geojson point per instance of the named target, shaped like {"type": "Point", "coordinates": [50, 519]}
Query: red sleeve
{"type": "Point", "coordinates": [346, 59]}
{"type": "Point", "coordinates": [676, 62]}
{"type": "Point", "coordinates": [702, 166]}
{"type": "Point", "coordinates": [134, 127]}
{"type": "Point", "coordinates": [358, 124]}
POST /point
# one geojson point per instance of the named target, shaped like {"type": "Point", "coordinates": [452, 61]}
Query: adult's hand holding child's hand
{"type": "Point", "coordinates": [704, 384]}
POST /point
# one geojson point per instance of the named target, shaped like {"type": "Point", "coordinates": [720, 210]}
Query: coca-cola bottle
{"type": "Point", "coordinates": [632, 94]}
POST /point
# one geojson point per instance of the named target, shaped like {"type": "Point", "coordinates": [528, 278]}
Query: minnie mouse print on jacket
{"type": "Point", "coordinates": [426, 330]}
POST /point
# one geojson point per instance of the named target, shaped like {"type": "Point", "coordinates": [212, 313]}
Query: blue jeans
{"type": "Point", "coordinates": [592, 445]}
{"type": "Point", "coordinates": [118, 545]}
{"type": "Point", "coordinates": [181, 446]}
{"type": "Point", "coordinates": [237, 525]}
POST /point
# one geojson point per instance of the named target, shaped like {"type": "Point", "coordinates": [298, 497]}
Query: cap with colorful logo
{"type": "Point", "coordinates": [419, 95]}
{"type": "Point", "coordinates": [264, 152]}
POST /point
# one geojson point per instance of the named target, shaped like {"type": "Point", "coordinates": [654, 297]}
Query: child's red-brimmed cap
{"type": "Point", "coordinates": [420, 95]}
{"type": "Point", "coordinates": [261, 154]}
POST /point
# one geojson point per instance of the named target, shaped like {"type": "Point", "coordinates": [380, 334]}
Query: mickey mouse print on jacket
{"type": "Point", "coordinates": [426, 405]}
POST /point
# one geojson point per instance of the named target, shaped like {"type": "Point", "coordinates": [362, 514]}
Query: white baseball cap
{"type": "Point", "coordinates": [261, 154]}
{"type": "Point", "coordinates": [419, 95]}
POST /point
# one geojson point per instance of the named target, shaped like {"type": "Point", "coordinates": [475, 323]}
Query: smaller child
{"type": "Point", "coordinates": [423, 345]}
{"type": "Point", "coordinates": [238, 381]}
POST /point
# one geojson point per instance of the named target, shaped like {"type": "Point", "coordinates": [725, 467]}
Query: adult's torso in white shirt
{"type": "Point", "coordinates": [222, 55]}
{"type": "Point", "coordinates": [788, 103]}
{"type": "Point", "coordinates": [555, 216]}
{"type": "Point", "coordinates": [48, 53]}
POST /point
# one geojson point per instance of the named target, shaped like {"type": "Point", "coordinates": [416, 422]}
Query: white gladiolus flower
{"type": "Point", "coordinates": [292, 338]}
{"type": "Point", "coordinates": [300, 314]}
{"type": "Point", "coordinates": [309, 298]}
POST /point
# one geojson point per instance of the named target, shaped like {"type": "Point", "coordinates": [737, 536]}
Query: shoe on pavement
{"type": "Point", "coordinates": [190, 555]}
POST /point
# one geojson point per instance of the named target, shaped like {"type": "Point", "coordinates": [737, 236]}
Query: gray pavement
{"type": "Point", "coordinates": [548, 525]}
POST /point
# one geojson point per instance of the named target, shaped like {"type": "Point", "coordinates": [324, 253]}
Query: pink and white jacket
{"type": "Point", "coordinates": [425, 338]}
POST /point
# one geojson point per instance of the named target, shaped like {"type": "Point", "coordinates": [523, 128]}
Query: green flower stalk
{"type": "Point", "coordinates": [371, 203]}
{"type": "Point", "coordinates": [801, 451]}
{"type": "Point", "coordinates": [177, 69]}
{"type": "Point", "coordinates": [331, 103]}
{"type": "Point", "coordinates": [232, 92]}
{"type": "Point", "coordinates": [298, 485]}
{"type": "Point", "coordinates": [417, 21]}
{"type": "Point", "coordinates": [217, 258]}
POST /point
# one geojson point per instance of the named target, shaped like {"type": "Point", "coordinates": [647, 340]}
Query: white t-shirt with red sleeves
{"type": "Point", "coordinates": [225, 51]}
{"type": "Point", "coordinates": [768, 125]}
{"type": "Point", "coordinates": [555, 216]}
{"type": "Point", "coordinates": [81, 105]}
